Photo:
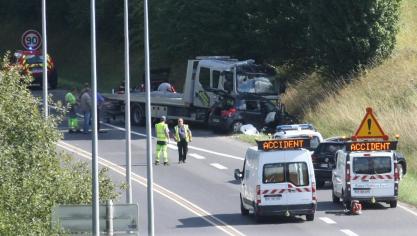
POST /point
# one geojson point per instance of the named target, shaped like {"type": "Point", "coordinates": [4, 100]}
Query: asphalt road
{"type": "Point", "coordinates": [201, 196]}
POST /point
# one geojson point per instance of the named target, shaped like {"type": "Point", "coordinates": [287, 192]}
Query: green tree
{"type": "Point", "coordinates": [346, 35]}
{"type": "Point", "coordinates": [33, 176]}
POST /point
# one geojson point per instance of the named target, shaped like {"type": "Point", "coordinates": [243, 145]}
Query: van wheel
{"type": "Point", "coordinates": [393, 204]}
{"type": "Point", "coordinates": [310, 217]}
{"type": "Point", "coordinates": [258, 217]}
{"type": "Point", "coordinates": [243, 210]}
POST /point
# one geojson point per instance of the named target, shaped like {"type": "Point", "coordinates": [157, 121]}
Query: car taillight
{"type": "Point", "coordinates": [258, 194]}
{"type": "Point", "coordinates": [229, 112]}
{"type": "Point", "coordinates": [314, 158]}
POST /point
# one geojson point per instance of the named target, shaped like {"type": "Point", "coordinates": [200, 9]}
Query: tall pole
{"type": "Point", "coordinates": [127, 107]}
{"type": "Point", "coordinates": [95, 200]}
{"type": "Point", "coordinates": [148, 123]}
{"type": "Point", "coordinates": [45, 61]}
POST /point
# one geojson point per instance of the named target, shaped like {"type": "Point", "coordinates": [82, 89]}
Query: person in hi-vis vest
{"type": "Point", "coordinates": [182, 135]}
{"type": "Point", "coordinates": [162, 137]}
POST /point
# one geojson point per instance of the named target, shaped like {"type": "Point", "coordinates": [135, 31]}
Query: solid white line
{"type": "Point", "coordinates": [348, 232]}
{"type": "Point", "coordinates": [406, 209]}
{"type": "Point", "coordinates": [196, 156]}
{"type": "Point", "coordinates": [218, 166]}
{"type": "Point", "coordinates": [205, 215]}
{"type": "Point", "coordinates": [327, 220]}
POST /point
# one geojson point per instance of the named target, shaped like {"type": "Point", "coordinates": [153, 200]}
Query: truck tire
{"type": "Point", "coordinates": [393, 204]}
{"type": "Point", "coordinates": [137, 116]}
{"type": "Point", "coordinates": [243, 210]}
{"type": "Point", "coordinates": [400, 171]}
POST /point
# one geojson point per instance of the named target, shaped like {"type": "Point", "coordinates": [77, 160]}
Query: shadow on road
{"type": "Point", "coordinates": [238, 219]}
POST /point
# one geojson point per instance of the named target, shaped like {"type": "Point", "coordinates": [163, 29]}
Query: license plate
{"type": "Point", "coordinates": [272, 198]}
{"type": "Point", "coordinates": [216, 120]}
{"type": "Point", "coordinates": [362, 191]}
{"type": "Point", "coordinates": [37, 70]}
{"type": "Point", "coordinates": [325, 165]}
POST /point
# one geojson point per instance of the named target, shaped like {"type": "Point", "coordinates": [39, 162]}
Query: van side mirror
{"type": "Point", "coordinates": [238, 175]}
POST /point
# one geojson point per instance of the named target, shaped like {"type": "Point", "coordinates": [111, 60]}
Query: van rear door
{"type": "Point", "coordinates": [299, 184]}
{"type": "Point", "coordinates": [274, 187]}
{"type": "Point", "coordinates": [372, 176]}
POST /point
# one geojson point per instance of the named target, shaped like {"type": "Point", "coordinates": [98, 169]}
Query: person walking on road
{"type": "Point", "coordinates": [182, 135]}
{"type": "Point", "coordinates": [100, 104]}
{"type": "Point", "coordinates": [86, 106]}
{"type": "Point", "coordinates": [162, 137]}
{"type": "Point", "coordinates": [71, 102]}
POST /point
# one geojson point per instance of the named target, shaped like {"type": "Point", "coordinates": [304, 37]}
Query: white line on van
{"type": "Point", "coordinates": [205, 215]}
{"type": "Point", "coordinates": [327, 220]}
{"type": "Point", "coordinates": [348, 232]}
{"type": "Point", "coordinates": [218, 166]}
{"type": "Point", "coordinates": [196, 156]}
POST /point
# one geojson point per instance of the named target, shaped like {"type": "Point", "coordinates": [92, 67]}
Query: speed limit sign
{"type": "Point", "coordinates": [31, 39]}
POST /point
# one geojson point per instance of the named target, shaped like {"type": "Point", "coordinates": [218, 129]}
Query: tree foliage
{"type": "Point", "coordinates": [346, 35]}
{"type": "Point", "coordinates": [33, 176]}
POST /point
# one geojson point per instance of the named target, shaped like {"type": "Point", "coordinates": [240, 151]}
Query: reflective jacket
{"type": "Point", "coordinates": [187, 133]}
{"type": "Point", "coordinates": [160, 131]}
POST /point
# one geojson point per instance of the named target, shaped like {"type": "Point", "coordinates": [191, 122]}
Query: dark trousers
{"type": "Point", "coordinates": [182, 150]}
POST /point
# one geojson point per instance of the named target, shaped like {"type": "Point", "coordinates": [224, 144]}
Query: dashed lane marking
{"type": "Point", "coordinates": [327, 220]}
{"type": "Point", "coordinates": [349, 232]}
{"type": "Point", "coordinates": [196, 156]}
{"type": "Point", "coordinates": [218, 166]}
{"type": "Point", "coordinates": [205, 215]}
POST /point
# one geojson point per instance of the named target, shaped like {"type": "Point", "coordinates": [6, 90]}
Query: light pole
{"type": "Point", "coordinates": [45, 61]}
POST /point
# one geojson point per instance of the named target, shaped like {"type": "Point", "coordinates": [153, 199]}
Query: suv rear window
{"type": "Point", "coordinates": [295, 173]}
{"type": "Point", "coordinates": [330, 147]}
{"type": "Point", "coordinates": [371, 165]}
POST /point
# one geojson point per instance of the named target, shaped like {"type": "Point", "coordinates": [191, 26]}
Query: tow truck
{"type": "Point", "coordinates": [207, 80]}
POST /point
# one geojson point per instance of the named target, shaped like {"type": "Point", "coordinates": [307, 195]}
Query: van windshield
{"type": "Point", "coordinates": [295, 173]}
{"type": "Point", "coordinates": [371, 165]}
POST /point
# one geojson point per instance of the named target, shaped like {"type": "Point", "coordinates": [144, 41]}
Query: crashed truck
{"type": "Point", "coordinates": [207, 81]}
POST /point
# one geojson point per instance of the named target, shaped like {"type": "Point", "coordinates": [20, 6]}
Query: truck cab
{"type": "Point", "coordinates": [367, 172]}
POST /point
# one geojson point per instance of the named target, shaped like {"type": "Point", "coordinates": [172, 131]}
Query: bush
{"type": "Point", "coordinates": [33, 175]}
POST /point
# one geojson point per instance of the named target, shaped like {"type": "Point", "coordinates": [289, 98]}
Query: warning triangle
{"type": "Point", "coordinates": [369, 128]}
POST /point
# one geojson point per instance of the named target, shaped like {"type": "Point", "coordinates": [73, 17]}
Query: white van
{"type": "Point", "coordinates": [367, 172]}
{"type": "Point", "coordinates": [278, 179]}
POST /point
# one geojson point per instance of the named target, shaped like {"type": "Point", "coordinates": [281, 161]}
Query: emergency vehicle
{"type": "Point", "coordinates": [278, 179]}
{"type": "Point", "coordinates": [366, 171]}
{"type": "Point", "coordinates": [367, 167]}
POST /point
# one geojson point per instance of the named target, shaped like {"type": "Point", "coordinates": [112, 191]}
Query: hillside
{"type": "Point", "coordinates": [390, 89]}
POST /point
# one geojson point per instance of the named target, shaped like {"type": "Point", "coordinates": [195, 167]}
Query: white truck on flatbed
{"type": "Point", "coordinates": [207, 78]}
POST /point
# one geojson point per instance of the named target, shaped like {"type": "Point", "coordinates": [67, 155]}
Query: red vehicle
{"type": "Point", "coordinates": [32, 63]}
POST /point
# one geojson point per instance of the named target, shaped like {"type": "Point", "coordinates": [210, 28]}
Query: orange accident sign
{"type": "Point", "coordinates": [283, 144]}
{"type": "Point", "coordinates": [371, 146]}
{"type": "Point", "coordinates": [369, 128]}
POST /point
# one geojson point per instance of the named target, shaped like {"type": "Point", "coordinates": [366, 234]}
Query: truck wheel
{"type": "Point", "coordinates": [310, 217]}
{"type": "Point", "coordinates": [235, 127]}
{"type": "Point", "coordinates": [243, 210]}
{"type": "Point", "coordinates": [137, 115]}
{"type": "Point", "coordinates": [400, 171]}
{"type": "Point", "coordinates": [393, 204]}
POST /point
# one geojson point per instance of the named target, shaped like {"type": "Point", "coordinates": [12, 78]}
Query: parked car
{"type": "Point", "coordinates": [299, 131]}
{"type": "Point", "coordinates": [32, 64]}
{"type": "Point", "coordinates": [233, 111]}
{"type": "Point", "coordinates": [324, 161]}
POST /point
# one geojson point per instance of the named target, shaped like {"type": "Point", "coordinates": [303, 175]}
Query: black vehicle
{"type": "Point", "coordinates": [324, 161]}
{"type": "Point", "coordinates": [231, 112]}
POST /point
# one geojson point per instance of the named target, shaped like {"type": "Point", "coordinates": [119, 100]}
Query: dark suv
{"type": "Point", "coordinates": [323, 159]}
{"type": "Point", "coordinates": [231, 112]}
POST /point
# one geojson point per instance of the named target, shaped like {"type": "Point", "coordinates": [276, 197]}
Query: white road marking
{"type": "Point", "coordinates": [348, 232]}
{"type": "Point", "coordinates": [189, 146]}
{"type": "Point", "coordinates": [406, 209]}
{"type": "Point", "coordinates": [205, 215]}
{"type": "Point", "coordinates": [218, 166]}
{"type": "Point", "coordinates": [196, 156]}
{"type": "Point", "coordinates": [327, 220]}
